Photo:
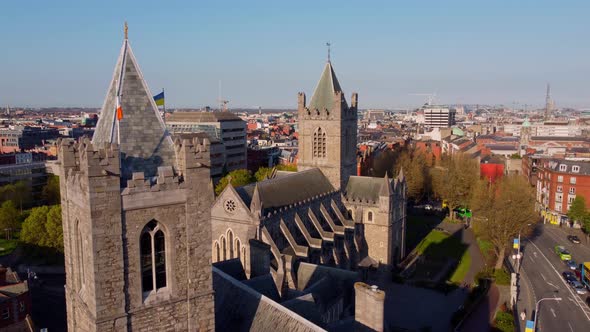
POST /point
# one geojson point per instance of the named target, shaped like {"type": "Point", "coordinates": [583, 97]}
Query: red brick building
{"type": "Point", "coordinates": [15, 302]}
{"type": "Point", "coordinates": [559, 182]}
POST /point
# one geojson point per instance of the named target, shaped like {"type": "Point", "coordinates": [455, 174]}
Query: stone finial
{"type": "Point", "coordinates": [126, 30]}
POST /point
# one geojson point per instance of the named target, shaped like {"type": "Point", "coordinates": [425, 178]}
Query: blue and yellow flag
{"type": "Point", "coordinates": [529, 326]}
{"type": "Point", "coordinates": [159, 99]}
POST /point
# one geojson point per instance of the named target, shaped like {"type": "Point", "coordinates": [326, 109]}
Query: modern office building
{"type": "Point", "coordinates": [226, 127]}
{"type": "Point", "coordinates": [436, 116]}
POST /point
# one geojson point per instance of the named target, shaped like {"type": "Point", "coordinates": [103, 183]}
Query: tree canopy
{"type": "Point", "coordinates": [579, 213]}
{"type": "Point", "coordinates": [415, 169]}
{"type": "Point", "coordinates": [19, 193]}
{"type": "Point", "coordinates": [264, 172]}
{"type": "Point", "coordinates": [50, 193]}
{"type": "Point", "coordinates": [504, 209]}
{"type": "Point", "coordinates": [43, 227]}
{"type": "Point", "coordinates": [454, 180]}
{"type": "Point", "coordinates": [9, 216]}
{"type": "Point", "coordinates": [239, 177]}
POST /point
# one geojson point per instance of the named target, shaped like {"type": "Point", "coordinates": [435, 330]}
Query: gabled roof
{"type": "Point", "coordinates": [144, 142]}
{"type": "Point", "coordinates": [323, 95]}
{"type": "Point", "coordinates": [366, 188]}
{"type": "Point", "coordinates": [287, 188]}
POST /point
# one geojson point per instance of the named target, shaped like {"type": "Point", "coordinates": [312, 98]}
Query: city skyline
{"type": "Point", "coordinates": [264, 53]}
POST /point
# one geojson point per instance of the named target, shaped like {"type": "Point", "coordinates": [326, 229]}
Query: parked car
{"type": "Point", "coordinates": [571, 264]}
{"type": "Point", "coordinates": [563, 254]}
{"type": "Point", "coordinates": [569, 276]}
{"type": "Point", "coordinates": [578, 287]}
{"type": "Point", "coordinates": [573, 239]}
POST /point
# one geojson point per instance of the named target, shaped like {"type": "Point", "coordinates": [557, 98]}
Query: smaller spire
{"type": "Point", "coordinates": [386, 189]}
{"type": "Point", "coordinates": [328, 44]}
{"type": "Point", "coordinates": [126, 30]}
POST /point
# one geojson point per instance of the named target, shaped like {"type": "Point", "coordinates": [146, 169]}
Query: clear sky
{"type": "Point", "coordinates": [62, 53]}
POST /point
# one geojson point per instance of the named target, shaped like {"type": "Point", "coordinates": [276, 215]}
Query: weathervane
{"type": "Point", "coordinates": [328, 44]}
{"type": "Point", "coordinates": [125, 29]}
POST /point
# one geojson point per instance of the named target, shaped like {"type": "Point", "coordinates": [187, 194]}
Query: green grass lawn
{"type": "Point", "coordinates": [462, 268]}
{"type": "Point", "coordinates": [439, 244]}
{"type": "Point", "coordinates": [7, 246]}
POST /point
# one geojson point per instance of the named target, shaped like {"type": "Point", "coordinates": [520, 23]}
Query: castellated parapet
{"type": "Point", "coordinates": [109, 285]}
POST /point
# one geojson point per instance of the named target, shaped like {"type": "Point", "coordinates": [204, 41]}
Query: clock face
{"type": "Point", "coordinates": [229, 206]}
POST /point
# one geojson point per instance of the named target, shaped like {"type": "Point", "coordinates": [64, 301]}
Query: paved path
{"type": "Point", "coordinates": [482, 317]}
{"type": "Point", "coordinates": [468, 238]}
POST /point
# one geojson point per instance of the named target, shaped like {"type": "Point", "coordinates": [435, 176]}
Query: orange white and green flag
{"type": "Point", "coordinates": [119, 109]}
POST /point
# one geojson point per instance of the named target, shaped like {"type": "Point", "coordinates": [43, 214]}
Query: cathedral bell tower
{"type": "Point", "coordinates": [327, 130]}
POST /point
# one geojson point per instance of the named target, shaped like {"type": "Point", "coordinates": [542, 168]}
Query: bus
{"type": "Point", "coordinates": [585, 275]}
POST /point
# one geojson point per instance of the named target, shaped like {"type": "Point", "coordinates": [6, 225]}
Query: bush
{"type": "Point", "coordinates": [504, 322]}
{"type": "Point", "coordinates": [502, 277]}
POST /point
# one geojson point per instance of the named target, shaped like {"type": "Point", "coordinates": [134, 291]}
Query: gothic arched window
{"type": "Point", "coordinates": [153, 257]}
{"type": "Point", "coordinates": [319, 143]}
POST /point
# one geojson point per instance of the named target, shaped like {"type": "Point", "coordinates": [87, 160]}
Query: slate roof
{"type": "Point", "coordinates": [264, 285]}
{"type": "Point", "coordinates": [144, 142]}
{"type": "Point", "coordinates": [364, 188]}
{"type": "Point", "coordinates": [288, 188]}
{"type": "Point", "coordinates": [203, 117]}
{"type": "Point", "coordinates": [560, 138]}
{"type": "Point", "coordinates": [328, 85]}
{"type": "Point", "coordinates": [584, 166]}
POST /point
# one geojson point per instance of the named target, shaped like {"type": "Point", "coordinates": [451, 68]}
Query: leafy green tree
{"type": "Point", "coordinates": [287, 168]}
{"type": "Point", "coordinates": [50, 192]}
{"type": "Point", "coordinates": [239, 177]}
{"type": "Point", "coordinates": [54, 228]}
{"type": "Point", "coordinates": [9, 216]}
{"type": "Point", "coordinates": [454, 180]}
{"type": "Point", "coordinates": [262, 173]}
{"type": "Point", "coordinates": [578, 211]}
{"type": "Point", "coordinates": [33, 230]}
{"type": "Point", "coordinates": [43, 227]}
{"type": "Point", "coordinates": [19, 193]}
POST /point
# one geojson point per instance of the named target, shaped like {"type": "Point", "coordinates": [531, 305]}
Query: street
{"type": "Point", "coordinates": [541, 277]}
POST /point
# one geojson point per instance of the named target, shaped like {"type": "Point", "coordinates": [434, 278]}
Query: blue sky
{"type": "Point", "coordinates": [62, 53]}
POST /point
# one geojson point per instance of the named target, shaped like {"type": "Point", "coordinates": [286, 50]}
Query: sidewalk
{"type": "Point", "coordinates": [525, 299]}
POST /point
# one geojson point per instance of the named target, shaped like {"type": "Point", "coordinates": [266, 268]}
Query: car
{"type": "Point", "coordinates": [569, 276]}
{"type": "Point", "coordinates": [573, 239]}
{"type": "Point", "coordinates": [578, 287]}
{"type": "Point", "coordinates": [428, 207]}
{"type": "Point", "coordinates": [563, 254]}
{"type": "Point", "coordinates": [571, 264]}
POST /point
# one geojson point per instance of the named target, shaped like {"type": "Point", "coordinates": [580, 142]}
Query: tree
{"type": "Point", "coordinates": [383, 162]}
{"type": "Point", "coordinates": [505, 210]}
{"type": "Point", "coordinates": [19, 193]}
{"type": "Point", "coordinates": [414, 166]}
{"type": "Point", "coordinates": [43, 228]}
{"type": "Point", "coordinates": [454, 180]}
{"type": "Point", "coordinates": [239, 177]}
{"type": "Point", "coordinates": [578, 211]}
{"type": "Point", "coordinates": [262, 173]}
{"type": "Point", "coordinates": [50, 192]}
{"type": "Point", "coordinates": [9, 216]}
{"type": "Point", "coordinates": [33, 229]}
{"type": "Point", "coordinates": [287, 167]}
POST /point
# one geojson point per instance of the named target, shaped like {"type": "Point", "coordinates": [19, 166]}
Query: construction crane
{"type": "Point", "coordinates": [430, 96]}
{"type": "Point", "coordinates": [223, 104]}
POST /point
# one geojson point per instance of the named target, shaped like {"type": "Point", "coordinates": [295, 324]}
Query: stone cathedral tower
{"type": "Point", "coordinates": [327, 130]}
{"type": "Point", "coordinates": [136, 218]}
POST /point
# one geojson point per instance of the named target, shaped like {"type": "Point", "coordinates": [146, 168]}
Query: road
{"type": "Point", "coordinates": [542, 278]}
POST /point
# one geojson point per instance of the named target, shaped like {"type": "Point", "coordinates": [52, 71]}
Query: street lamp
{"type": "Point", "coordinates": [537, 309]}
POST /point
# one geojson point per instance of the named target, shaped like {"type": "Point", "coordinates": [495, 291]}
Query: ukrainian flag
{"type": "Point", "coordinates": [529, 326]}
{"type": "Point", "coordinates": [159, 99]}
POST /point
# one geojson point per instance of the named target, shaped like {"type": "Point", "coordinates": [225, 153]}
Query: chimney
{"type": "Point", "coordinates": [369, 306]}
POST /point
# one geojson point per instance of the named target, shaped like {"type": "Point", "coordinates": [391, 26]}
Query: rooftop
{"type": "Point", "coordinates": [203, 117]}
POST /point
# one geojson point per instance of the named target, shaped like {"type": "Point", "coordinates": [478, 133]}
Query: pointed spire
{"type": "Point", "coordinates": [386, 189]}
{"type": "Point", "coordinates": [328, 85]}
{"type": "Point", "coordinates": [256, 203]}
{"type": "Point", "coordinates": [126, 30]}
{"type": "Point", "coordinates": [144, 141]}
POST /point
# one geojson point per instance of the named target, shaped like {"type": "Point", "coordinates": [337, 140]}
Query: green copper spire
{"type": "Point", "coordinates": [323, 96]}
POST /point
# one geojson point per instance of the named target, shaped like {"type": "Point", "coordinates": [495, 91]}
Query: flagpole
{"type": "Point", "coordinates": [164, 105]}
